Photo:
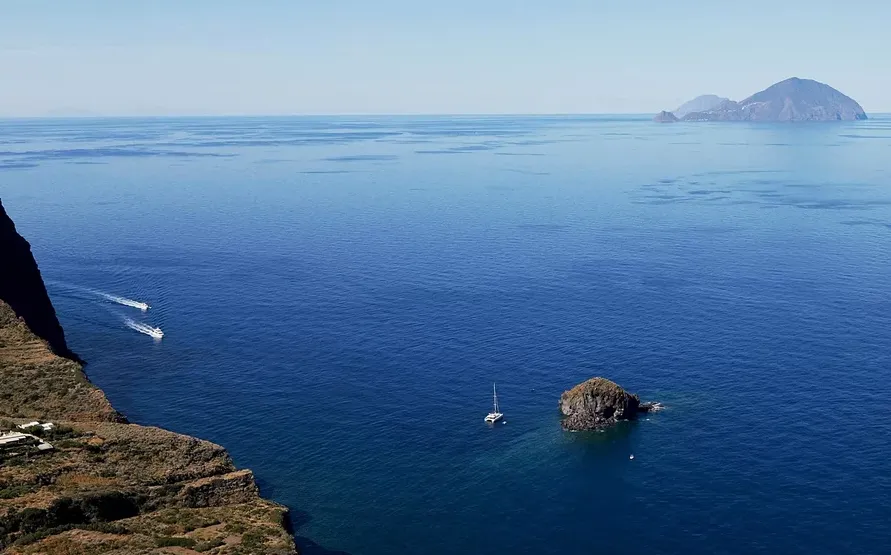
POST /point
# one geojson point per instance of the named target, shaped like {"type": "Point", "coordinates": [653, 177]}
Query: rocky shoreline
{"type": "Point", "coordinates": [104, 485]}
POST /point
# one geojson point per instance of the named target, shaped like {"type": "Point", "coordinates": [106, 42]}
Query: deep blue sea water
{"type": "Point", "coordinates": [339, 294]}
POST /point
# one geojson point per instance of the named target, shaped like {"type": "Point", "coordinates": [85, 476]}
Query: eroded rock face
{"type": "Point", "coordinates": [597, 404]}
{"type": "Point", "coordinates": [214, 491]}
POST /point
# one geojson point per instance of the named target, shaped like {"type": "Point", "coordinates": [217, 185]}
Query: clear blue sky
{"type": "Point", "coordinates": [456, 56]}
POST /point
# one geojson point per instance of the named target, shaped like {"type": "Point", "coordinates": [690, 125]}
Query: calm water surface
{"type": "Point", "coordinates": [339, 294]}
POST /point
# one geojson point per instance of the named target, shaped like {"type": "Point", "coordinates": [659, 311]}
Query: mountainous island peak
{"type": "Point", "coordinates": [791, 100]}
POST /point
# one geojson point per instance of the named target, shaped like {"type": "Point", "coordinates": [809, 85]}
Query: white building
{"type": "Point", "coordinates": [46, 426]}
{"type": "Point", "coordinates": [11, 438]}
{"type": "Point", "coordinates": [14, 439]}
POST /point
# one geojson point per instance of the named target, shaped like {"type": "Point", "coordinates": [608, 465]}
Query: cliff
{"type": "Point", "coordinates": [599, 403]}
{"type": "Point", "coordinates": [791, 100]}
{"type": "Point", "coordinates": [105, 486]}
{"type": "Point", "coordinates": [22, 288]}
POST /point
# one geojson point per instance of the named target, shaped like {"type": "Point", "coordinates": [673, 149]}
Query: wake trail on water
{"type": "Point", "coordinates": [144, 328]}
{"type": "Point", "coordinates": [107, 296]}
{"type": "Point", "coordinates": [124, 301]}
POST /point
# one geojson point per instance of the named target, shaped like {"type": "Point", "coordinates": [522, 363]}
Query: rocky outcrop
{"type": "Point", "coordinates": [22, 287]}
{"type": "Point", "coordinates": [228, 489]}
{"type": "Point", "coordinates": [790, 100]}
{"type": "Point", "coordinates": [599, 403]}
{"type": "Point", "coordinates": [665, 117]}
{"type": "Point", "coordinates": [106, 486]}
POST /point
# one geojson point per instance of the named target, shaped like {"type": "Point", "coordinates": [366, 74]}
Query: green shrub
{"type": "Point", "coordinates": [208, 545]}
{"type": "Point", "coordinates": [170, 541]}
{"type": "Point", "coordinates": [254, 538]}
{"type": "Point", "coordinates": [57, 433]}
{"type": "Point", "coordinates": [13, 491]}
{"type": "Point", "coordinates": [32, 537]}
{"type": "Point", "coordinates": [235, 528]}
{"type": "Point", "coordinates": [67, 444]}
{"type": "Point", "coordinates": [107, 528]}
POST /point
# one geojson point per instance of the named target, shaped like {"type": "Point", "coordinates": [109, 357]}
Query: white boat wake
{"type": "Point", "coordinates": [124, 301]}
{"type": "Point", "coordinates": [144, 328]}
{"type": "Point", "coordinates": [107, 296]}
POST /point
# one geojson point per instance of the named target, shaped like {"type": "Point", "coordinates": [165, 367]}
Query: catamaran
{"type": "Point", "coordinates": [494, 416]}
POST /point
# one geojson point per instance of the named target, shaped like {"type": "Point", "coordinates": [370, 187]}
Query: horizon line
{"type": "Point", "coordinates": [312, 114]}
{"type": "Point", "coordinates": [346, 114]}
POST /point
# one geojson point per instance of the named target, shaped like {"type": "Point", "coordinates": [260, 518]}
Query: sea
{"type": "Point", "coordinates": [339, 294]}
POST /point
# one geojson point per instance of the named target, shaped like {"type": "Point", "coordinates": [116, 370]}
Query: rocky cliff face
{"type": "Point", "coordinates": [790, 100]}
{"type": "Point", "coordinates": [22, 288]}
{"type": "Point", "coordinates": [106, 486]}
{"type": "Point", "coordinates": [598, 403]}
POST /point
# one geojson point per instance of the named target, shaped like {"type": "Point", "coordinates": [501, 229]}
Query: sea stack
{"type": "Point", "coordinates": [599, 403]}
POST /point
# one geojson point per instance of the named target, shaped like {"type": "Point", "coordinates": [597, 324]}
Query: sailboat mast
{"type": "Point", "coordinates": [495, 397]}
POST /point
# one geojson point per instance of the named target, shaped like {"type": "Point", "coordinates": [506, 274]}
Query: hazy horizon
{"type": "Point", "coordinates": [63, 116]}
{"type": "Point", "coordinates": [106, 59]}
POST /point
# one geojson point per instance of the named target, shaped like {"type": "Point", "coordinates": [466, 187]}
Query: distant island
{"type": "Point", "coordinates": [791, 100]}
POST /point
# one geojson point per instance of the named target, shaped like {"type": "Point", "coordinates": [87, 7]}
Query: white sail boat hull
{"type": "Point", "coordinates": [493, 417]}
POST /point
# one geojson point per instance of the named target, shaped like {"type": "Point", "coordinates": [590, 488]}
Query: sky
{"type": "Point", "coordinates": [197, 57]}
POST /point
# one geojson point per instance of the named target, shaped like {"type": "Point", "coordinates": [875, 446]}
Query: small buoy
{"type": "Point", "coordinates": [631, 457]}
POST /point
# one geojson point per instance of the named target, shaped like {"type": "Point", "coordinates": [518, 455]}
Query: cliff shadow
{"type": "Point", "coordinates": [305, 546]}
{"type": "Point", "coordinates": [22, 288]}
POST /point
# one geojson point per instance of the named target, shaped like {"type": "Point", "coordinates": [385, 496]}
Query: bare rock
{"type": "Point", "coordinates": [214, 491]}
{"type": "Point", "coordinates": [599, 403]}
